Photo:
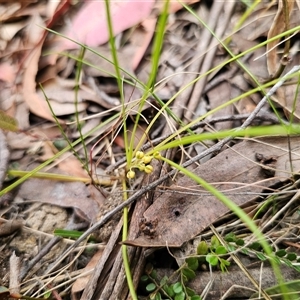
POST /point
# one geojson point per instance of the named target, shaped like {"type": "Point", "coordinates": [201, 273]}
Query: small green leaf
{"type": "Point", "coordinates": [153, 274]}
{"type": "Point", "coordinates": [291, 256]}
{"type": "Point", "coordinates": [231, 248]}
{"type": "Point", "coordinates": [177, 288]}
{"type": "Point", "coordinates": [276, 259]}
{"type": "Point", "coordinates": [240, 242]}
{"type": "Point", "coordinates": [180, 296]}
{"type": "Point", "coordinates": [150, 287]}
{"type": "Point", "coordinates": [169, 290]}
{"type": "Point", "coordinates": [230, 237]}
{"type": "Point", "coordinates": [223, 264]}
{"type": "Point", "coordinates": [164, 280]}
{"type": "Point", "coordinates": [190, 274]}
{"type": "Point", "coordinates": [202, 248]}
{"type": "Point", "coordinates": [214, 242]}
{"type": "Point", "coordinates": [144, 278]}
{"type": "Point", "coordinates": [280, 253]}
{"type": "Point", "coordinates": [195, 297]}
{"type": "Point", "coordinates": [261, 256]}
{"type": "Point", "coordinates": [287, 262]}
{"type": "Point", "coordinates": [158, 296]}
{"type": "Point", "coordinates": [190, 292]}
{"type": "Point", "coordinates": [192, 263]}
{"type": "Point", "coordinates": [297, 268]}
{"type": "Point", "coordinates": [255, 246]}
{"type": "Point", "coordinates": [212, 259]}
{"type": "Point", "coordinates": [221, 250]}
{"type": "Point", "coordinates": [245, 251]}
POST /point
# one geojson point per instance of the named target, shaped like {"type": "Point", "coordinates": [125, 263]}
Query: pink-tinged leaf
{"type": "Point", "coordinates": [90, 26]}
{"type": "Point", "coordinates": [7, 72]}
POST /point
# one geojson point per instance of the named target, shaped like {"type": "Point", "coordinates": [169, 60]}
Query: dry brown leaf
{"type": "Point", "coordinates": [140, 40]}
{"type": "Point", "coordinates": [36, 104]}
{"type": "Point", "coordinates": [277, 27]}
{"type": "Point", "coordinates": [81, 282]}
{"type": "Point", "coordinates": [177, 217]}
{"type": "Point", "coordinates": [65, 194]}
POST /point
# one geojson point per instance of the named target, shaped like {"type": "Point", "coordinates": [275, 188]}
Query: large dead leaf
{"type": "Point", "coordinates": [65, 194]}
{"type": "Point", "coordinates": [90, 26]}
{"type": "Point", "coordinates": [239, 172]}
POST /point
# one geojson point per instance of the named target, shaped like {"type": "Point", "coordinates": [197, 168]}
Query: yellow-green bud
{"type": "Point", "coordinates": [157, 155]}
{"type": "Point", "coordinates": [130, 174]}
{"type": "Point", "coordinates": [147, 159]}
{"type": "Point", "coordinates": [139, 154]}
{"type": "Point", "coordinates": [141, 167]}
{"type": "Point", "coordinates": [148, 169]}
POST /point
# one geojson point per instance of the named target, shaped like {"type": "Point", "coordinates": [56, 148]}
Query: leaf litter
{"type": "Point", "coordinates": [247, 167]}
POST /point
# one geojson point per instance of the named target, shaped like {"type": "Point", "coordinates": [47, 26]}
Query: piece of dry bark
{"type": "Point", "coordinates": [177, 215]}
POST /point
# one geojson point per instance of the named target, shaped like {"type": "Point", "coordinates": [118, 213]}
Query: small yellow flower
{"type": "Point", "coordinates": [147, 159]}
{"type": "Point", "coordinates": [141, 167]}
{"type": "Point", "coordinates": [130, 174]}
{"type": "Point", "coordinates": [157, 155]}
{"type": "Point", "coordinates": [148, 169]}
{"type": "Point", "coordinates": [139, 154]}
